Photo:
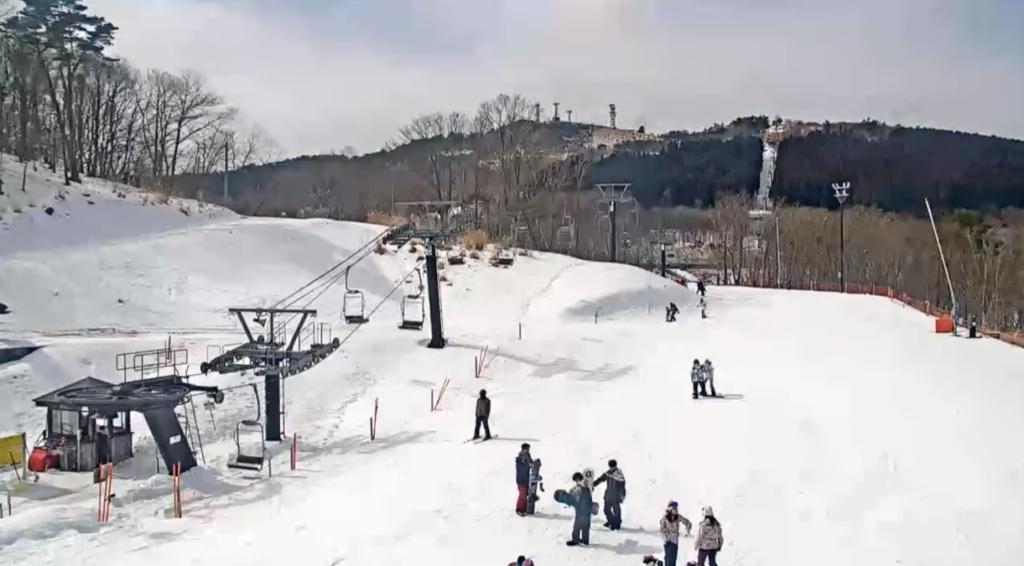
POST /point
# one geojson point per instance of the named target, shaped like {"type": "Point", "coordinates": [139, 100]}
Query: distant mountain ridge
{"type": "Point", "coordinates": [890, 167]}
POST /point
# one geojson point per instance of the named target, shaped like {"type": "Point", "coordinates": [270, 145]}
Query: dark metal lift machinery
{"type": "Point", "coordinates": [274, 359]}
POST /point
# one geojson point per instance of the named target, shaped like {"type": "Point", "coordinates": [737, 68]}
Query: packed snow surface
{"type": "Point", "coordinates": [848, 434]}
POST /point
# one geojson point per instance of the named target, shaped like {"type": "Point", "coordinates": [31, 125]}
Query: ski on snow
{"type": "Point", "coordinates": [479, 440]}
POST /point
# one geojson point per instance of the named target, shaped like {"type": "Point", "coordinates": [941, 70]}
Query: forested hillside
{"type": "Point", "coordinates": [891, 168]}
{"type": "Point", "coordinates": [525, 179]}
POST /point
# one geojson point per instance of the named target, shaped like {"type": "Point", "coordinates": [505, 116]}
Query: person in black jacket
{"type": "Point", "coordinates": [483, 412]}
{"type": "Point", "coordinates": [614, 494]}
{"type": "Point", "coordinates": [523, 464]}
{"type": "Point", "coordinates": [584, 507]}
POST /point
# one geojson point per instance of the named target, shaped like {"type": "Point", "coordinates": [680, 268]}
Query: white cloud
{"type": "Point", "coordinates": [321, 74]}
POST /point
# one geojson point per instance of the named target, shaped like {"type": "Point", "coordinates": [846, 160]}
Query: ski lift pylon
{"type": "Point", "coordinates": [353, 303]}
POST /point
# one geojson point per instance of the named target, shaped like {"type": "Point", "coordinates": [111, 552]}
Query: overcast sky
{"type": "Point", "coordinates": [324, 74]}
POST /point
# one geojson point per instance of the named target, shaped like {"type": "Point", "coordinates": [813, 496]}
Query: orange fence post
{"type": "Point", "coordinates": [99, 496]}
{"type": "Point", "coordinates": [435, 403]}
{"type": "Point", "coordinates": [109, 497]}
{"type": "Point", "coordinates": [294, 450]}
{"type": "Point", "coordinates": [376, 406]}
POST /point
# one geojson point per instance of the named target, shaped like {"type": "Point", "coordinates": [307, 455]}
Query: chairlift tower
{"type": "Point", "coordinates": [277, 357]}
{"type": "Point", "coordinates": [842, 192]}
{"type": "Point", "coordinates": [618, 200]}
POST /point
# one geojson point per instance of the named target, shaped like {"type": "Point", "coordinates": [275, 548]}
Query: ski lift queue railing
{"type": "Point", "coordinates": [320, 332]}
{"type": "Point", "coordinates": [150, 361]}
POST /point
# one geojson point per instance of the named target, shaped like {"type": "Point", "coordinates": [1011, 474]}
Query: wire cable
{"type": "Point", "coordinates": [289, 299]}
{"type": "Point", "coordinates": [350, 333]}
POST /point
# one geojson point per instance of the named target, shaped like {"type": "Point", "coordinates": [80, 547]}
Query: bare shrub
{"type": "Point", "coordinates": [475, 240]}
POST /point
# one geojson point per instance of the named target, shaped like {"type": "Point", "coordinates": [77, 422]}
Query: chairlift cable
{"type": "Point", "coordinates": [351, 332]}
{"type": "Point", "coordinates": [291, 299]}
{"type": "Point", "coordinates": [324, 286]}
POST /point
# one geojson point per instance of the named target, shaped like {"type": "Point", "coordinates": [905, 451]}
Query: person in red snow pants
{"type": "Point", "coordinates": [523, 462]}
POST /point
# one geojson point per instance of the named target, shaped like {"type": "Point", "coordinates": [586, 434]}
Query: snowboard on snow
{"type": "Point", "coordinates": [565, 498]}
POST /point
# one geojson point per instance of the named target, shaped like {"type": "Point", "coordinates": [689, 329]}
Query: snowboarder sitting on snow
{"type": "Point", "coordinates": [614, 494]}
{"type": "Point", "coordinates": [709, 376]}
{"type": "Point", "coordinates": [670, 312]}
{"type": "Point", "coordinates": [523, 463]}
{"type": "Point", "coordinates": [483, 412]}
{"type": "Point", "coordinates": [584, 507]}
{"type": "Point", "coordinates": [697, 378]}
{"type": "Point", "coordinates": [669, 529]}
{"type": "Point", "coordinates": [522, 561]}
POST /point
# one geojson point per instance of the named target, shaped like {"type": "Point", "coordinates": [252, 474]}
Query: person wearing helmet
{"type": "Point", "coordinates": [697, 379]}
{"type": "Point", "coordinates": [522, 561]}
{"type": "Point", "coordinates": [670, 531]}
{"type": "Point", "coordinates": [483, 413]}
{"type": "Point", "coordinates": [709, 376]}
{"type": "Point", "coordinates": [709, 539]}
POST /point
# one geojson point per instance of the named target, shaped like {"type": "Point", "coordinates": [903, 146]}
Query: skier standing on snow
{"type": "Point", "coordinates": [709, 539]}
{"type": "Point", "coordinates": [584, 506]}
{"type": "Point", "coordinates": [614, 494]}
{"type": "Point", "coordinates": [670, 532]}
{"type": "Point", "coordinates": [483, 412]}
{"type": "Point", "coordinates": [701, 289]}
{"type": "Point", "coordinates": [523, 463]}
{"type": "Point", "coordinates": [709, 376]}
{"type": "Point", "coordinates": [670, 312]}
{"type": "Point", "coordinates": [697, 379]}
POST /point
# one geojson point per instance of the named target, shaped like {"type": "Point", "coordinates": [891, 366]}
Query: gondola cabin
{"type": "Point", "coordinates": [77, 438]}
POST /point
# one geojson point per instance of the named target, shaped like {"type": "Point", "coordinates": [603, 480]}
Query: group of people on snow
{"type": "Point", "coordinates": [709, 536]}
{"type": "Point", "coordinates": [671, 311]}
{"type": "Point", "coordinates": [702, 377]}
{"type": "Point", "coordinates": [581, 497]}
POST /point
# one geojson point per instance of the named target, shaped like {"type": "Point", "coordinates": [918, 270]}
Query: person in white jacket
{"type": "Point", "coordinates": [709, 376]}
{"type": "Point", "coordinates": [697, 379]}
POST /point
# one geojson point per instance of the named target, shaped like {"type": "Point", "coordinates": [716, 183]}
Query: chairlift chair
{"type": "Point", "coordinates": [413, 317]}
{"type": "Point", "coordinates": [353, 304]}
{"type": "Point", "coordinates": [251, 459]}
{"type": "Point", "coordinates": [566, 231]}
{"type": "Point", "coordinates": [413, 287]}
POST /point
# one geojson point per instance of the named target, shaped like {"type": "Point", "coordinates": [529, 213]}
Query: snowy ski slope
{"type": "Point", "coordinates": [849, 434]}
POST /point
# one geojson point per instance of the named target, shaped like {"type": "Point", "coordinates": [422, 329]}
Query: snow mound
{"type": "Point", "coordinates": [610, 290]}
{"type": "Point", "coordinates": [181, 281]}
{"type": "Point", "coordinates": [47, 214]}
